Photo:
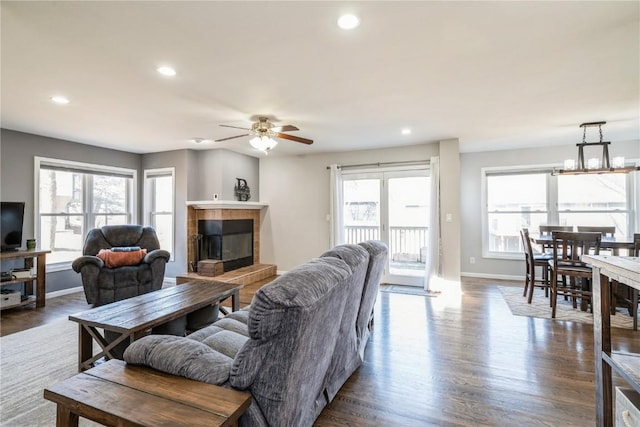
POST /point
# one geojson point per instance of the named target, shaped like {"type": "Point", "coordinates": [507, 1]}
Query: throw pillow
{"type": "Point", "coordinates": [113, 259]}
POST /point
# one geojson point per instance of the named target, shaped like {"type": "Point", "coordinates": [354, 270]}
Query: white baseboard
{"type": "Point", "coordinates": [492, 276]}
{"type": "Point", "coordinates": [170, 280]}
{"type": "Point", "coordinates": [281, 272]}
{"type": "Point", "coordinates": [63, 292]}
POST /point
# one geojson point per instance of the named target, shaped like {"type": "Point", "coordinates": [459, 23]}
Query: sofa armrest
{"type": "Point", "coordinates": [156, 254]}
{"type": "Point", "coordinates": [79, 263]}
{"type": "Point", "coordinates": [180, 356]}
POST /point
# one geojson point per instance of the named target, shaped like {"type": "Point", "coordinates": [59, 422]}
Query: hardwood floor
{"type": "Point", "coordinates": [459, 359]}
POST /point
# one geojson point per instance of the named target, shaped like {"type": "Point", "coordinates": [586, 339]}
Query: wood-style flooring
{"type": "Point", "coordinates": [459, 359]}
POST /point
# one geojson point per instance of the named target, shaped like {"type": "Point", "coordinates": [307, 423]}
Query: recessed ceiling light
{"type": "Point", "coordinates": [166, 71]}
{"type": "Point", "coordinates": [200, 140]}
{"type": "Point", "coordinates": [59, 100]}
{"type": "Point", "coordinates": [348, 21]}
{"type": "Point", "coordinates": [406, 131]}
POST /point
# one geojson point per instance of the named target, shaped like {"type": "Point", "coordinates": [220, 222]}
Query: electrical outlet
{"type": "Point", "coordinates": [472, 260]}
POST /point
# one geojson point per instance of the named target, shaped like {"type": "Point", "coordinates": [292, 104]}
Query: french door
{"type": "Point", "coordinates": [392, 206]}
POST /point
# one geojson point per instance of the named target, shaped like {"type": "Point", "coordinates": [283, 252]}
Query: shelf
{"type": "Point", "coordinates": [18, 280]}
{"type": "Point", "coordinates": [225, 204]}
{"type": "Point", "coordinates": [627, 365]}
{"type": "Point", "coordinates": [30, 300]}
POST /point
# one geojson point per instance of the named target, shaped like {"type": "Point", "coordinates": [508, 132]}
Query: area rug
{"type": "Point", "coordinates": [539, 307]}
{"type": "Point", "coordinates": [30, 361]}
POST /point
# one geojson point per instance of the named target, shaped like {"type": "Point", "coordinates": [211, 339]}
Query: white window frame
{"type": "Point", "coordinates": [90, 169]}
{"type": "Point", "coordinates": [633, 202]}
{"type": "Point", "coordinates": [149, 202]}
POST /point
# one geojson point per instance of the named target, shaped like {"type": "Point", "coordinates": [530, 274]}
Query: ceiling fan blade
{"type": "Point", "coordinates": [285, 128]}
{"type": "Point", "coordinates": [294, 138]}
{"type": "Point", "coordinates": [235, 127]}
{"type": "Point", "coordinates": [231, 137]}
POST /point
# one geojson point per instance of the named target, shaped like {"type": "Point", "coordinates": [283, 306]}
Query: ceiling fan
{"type": "Point", "coordinates": [263, 132]}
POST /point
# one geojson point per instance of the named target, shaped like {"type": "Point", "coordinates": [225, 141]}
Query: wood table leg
{"type": "Point", "coordinates": [85, 347]}
{"type": "Point", "coordinates": [65, 418]}
{"type": "Point", "coordinates": [235, 300]}
{"type": "Point", "coordinates": [602, 344]}
{"type": "Point", "coordinates": [41, 278]}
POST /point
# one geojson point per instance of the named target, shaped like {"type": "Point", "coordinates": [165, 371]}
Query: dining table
{"type": "Point", "coordinates": [607, 242]}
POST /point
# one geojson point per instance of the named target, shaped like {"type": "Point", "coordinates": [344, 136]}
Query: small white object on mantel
{"type": "Point", "coordinates": [226, 204]}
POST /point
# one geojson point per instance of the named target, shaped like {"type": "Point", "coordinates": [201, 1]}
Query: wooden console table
{"type": "Point", "coordinates": [118, 394]}
{"type": "Point", "coordinates": [624, 270]}
{"type": "Point", "coordinates": [134, 317]}
{"type": "Point", "coordinates": [28, 255]}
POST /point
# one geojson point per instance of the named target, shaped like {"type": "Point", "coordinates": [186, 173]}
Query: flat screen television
{"type": "Point", "coordinates": [11, 219]}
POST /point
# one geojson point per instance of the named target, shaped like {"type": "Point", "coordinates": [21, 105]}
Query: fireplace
{"type": "Point", "coordinates": [229, 241]}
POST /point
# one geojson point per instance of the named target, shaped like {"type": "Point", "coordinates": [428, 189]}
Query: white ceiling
{"type": "Point", "coordinates": [492, 74]}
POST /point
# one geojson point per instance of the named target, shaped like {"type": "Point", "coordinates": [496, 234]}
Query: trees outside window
{"type": "Point", "coordinates": [73, 198]}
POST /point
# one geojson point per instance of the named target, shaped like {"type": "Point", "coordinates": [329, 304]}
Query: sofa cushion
{"type": "Point", "coordinates": [226, 342]}
{"type": "Point", "coordinates": [180, 356]}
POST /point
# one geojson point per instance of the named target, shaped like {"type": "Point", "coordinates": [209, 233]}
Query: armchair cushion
{"type": "Point", "coordinates": [113, 258]}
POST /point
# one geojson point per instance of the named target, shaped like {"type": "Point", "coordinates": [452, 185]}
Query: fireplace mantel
{"type": "Point", "coordinates": [226, 204]}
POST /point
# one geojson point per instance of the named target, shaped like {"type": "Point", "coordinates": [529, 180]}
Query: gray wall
{"type": "Point", "coordinates": [17, 151]}
{"type": "Point", "coordinates": [198, 173]}
{"type": "Point", "coordinates": [471, 198]}
{"type": "Point", "coordinates": [218, 170]}
{"type": "Point", "coordinates": [295, 226]}
{"type": "Point", "coordinates": [178, 159]}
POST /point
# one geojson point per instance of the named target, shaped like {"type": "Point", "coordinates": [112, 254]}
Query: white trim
{"type": "Point", "coordinates": [89, 169]}
{"type": "Point", "coordinates": [147, 209]}
{"type": "Point", "coordinates": [63, 292]}
{"type": "Point", "coordinates": [491, 276]}
{"type": "Point", "coordinates": [281, 272]}
{"type": "Point", "coordinates": [226, 204]}
{"type": "Point", "coordinates": [171, 280]}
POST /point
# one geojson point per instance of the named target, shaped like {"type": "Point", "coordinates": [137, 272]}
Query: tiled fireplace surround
{"type": "Point", "coordinates": [227, 211]}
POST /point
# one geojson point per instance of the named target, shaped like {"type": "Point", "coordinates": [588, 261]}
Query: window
{"type": "Point", "coordinates": [71, 198]}
{"type": "Point", "coordinates": [159, 204]}
{"type": "Point", "coordinates": [594, 200]}
{"type": "Point", "coordinates": [516, 199]}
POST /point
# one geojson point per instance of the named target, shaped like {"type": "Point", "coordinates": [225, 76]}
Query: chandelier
{"type": "Point", "coordinates": [594, 165]}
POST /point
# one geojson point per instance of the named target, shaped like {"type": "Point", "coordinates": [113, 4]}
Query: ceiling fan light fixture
{"type": "Point", "coordinates": [263, 143]}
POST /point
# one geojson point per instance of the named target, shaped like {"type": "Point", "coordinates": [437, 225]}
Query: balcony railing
{"type": "Point", "coordinates": [407, 244]}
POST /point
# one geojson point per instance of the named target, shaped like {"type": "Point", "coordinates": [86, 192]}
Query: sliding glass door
{"type": "Point", "coordinates": [392, 206]}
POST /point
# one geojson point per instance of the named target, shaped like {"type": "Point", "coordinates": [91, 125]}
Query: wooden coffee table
{"type": "Point", "coordinates": [134, 317]}
{"type": "Point", "coordinates": [118, 394]}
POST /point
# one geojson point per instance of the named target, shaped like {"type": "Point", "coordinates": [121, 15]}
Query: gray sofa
{"type": "Point", "coordinates": [293, 348]}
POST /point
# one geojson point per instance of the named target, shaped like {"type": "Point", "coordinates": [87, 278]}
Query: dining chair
{"type": "Point", "coordinates": [546, 230]}
{"type": "Point", "coordinates": [533, 260]}
{"type": "Point", "coordinates": [568, 246]}
{"type": "Point", "coordinates": [606, 231]}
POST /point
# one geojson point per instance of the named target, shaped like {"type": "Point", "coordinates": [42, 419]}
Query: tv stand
{"type": "Point", "coordinates": [28, 255]}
